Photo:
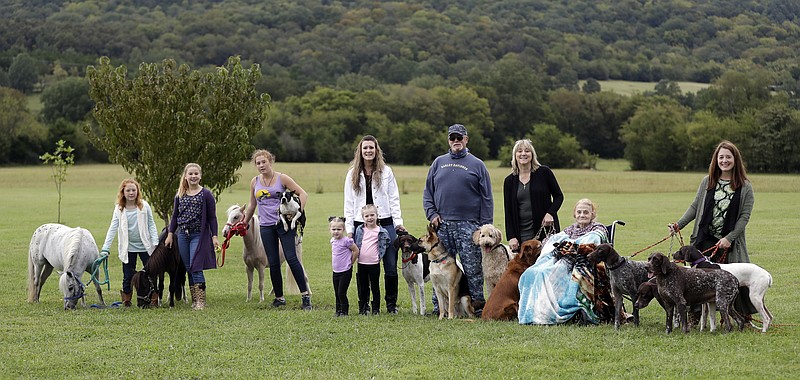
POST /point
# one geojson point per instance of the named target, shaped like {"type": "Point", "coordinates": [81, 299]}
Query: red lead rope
{"type": "Point", "coordinates": [240, 229]}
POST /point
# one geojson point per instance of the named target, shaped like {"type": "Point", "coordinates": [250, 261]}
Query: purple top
{"type": "Point", "coordinates": [268, 199]}
{"type": "Point", "coordinates": [204, 255]}
{"type": "Point", "coordinates": [341, 256]}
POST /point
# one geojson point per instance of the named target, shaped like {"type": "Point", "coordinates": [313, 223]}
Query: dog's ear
{"type": "Point", "coordinates": [664, 263]}
{"type": "Point", "coordinates": [476, 235]}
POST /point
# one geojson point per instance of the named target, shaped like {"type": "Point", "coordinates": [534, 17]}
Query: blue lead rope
{"type": "Point", "coordinates": [102, 260]}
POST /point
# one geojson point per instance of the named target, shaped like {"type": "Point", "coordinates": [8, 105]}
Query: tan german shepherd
{"type": "Point", "coordinates": [447, 278]}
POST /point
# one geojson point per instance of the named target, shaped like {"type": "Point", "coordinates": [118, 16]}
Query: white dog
{"type": "Point", "coordinates": [496, 255]}
{"type": "Point", "coordinates": [754, 277]}
{"type": "Point", "coordinates": [415, 269]}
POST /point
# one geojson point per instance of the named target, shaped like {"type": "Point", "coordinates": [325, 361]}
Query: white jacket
{"type": "Point", "coordinates": [147, 230]}
{"type": "Point", "coordinates": [386, 198]}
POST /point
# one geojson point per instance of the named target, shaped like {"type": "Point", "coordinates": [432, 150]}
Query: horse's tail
{"type": "Point", "coordinates": [32, 289]}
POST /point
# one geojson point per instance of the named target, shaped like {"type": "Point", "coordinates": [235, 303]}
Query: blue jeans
{"type": "Point", "coordinates": [129, 269]}
{"type": "Point", "coordinates": [187, 246]}
{"type": "Point", "coordinates": [456, 237]}
{"type": "Point", "coordinates": [270, 236]}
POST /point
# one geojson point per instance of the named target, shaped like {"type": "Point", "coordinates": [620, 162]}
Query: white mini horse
{"type": "Point", "coordinates": [254, 255]}
{"type": "Point", "coordinates": [71, 251]}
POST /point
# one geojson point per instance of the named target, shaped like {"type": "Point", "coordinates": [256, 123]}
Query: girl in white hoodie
{"type": "Point", "coordinates": [138, 236]}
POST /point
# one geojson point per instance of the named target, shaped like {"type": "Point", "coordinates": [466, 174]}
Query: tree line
{"type": "Point", "coordinates": [403, 71]}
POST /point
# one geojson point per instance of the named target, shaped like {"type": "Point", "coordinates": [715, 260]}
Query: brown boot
{"type": "Point", "coordinates": [201, 296]}
{"type": "Point", "coordinates": [126, 298]}
{"type": "Point", "coordinates": [193, 289]}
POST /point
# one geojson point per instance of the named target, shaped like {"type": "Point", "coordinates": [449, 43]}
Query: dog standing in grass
{"type": "Point", "coordinates": [495, 254]}
{"type": "Point", "coordinates": [448, 279]}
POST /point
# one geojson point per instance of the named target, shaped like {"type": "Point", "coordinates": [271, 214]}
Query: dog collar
{"type": "Point", "coordinates": [617, 264]}
{"type": "Point", "coordinates": [413, 255]}
{"type": "Point", "coordinates": [440, 261]}
{"type": "Point", "coordinates": [698, 261]}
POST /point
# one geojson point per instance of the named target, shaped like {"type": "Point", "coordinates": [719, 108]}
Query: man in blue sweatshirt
{"type": "Point", "coordinates": [458, 200]}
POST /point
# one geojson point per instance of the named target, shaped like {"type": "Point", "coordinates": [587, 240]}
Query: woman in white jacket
{"type": "Point", "coordinates": [133, 219]}
{"type": "Point", "coordinates": [368, 167]}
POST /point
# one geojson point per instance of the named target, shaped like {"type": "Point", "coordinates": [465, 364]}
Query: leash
{"type": "Point", "coordinates": [238, 228]}
{"type": "Point", "coordinates": [651, 245]}
{"type": "Point", "coordinates": [102, 260]}
{"type": "Point", "coordinates": [548, 231]}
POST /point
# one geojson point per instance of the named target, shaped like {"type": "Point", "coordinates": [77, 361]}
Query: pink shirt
{"type": "Point", "coordinates": [341, 256]}
{"type": "Point", "coordinates": [369, 247]}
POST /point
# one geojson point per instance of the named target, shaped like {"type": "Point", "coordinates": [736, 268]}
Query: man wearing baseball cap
{"type": "Point", "coordinates": [458, 200]}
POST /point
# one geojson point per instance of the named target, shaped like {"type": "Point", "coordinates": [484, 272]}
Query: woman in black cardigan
{"type": "Point", "coordinates": [531, 197]}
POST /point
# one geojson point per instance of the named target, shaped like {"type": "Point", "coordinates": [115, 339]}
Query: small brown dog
{"type": "Point", "coordinates": [495, 254]}
{"type": "Point", "coordinates": [503, 303]}
{"type": "Point", "coordinates": [447, 278]}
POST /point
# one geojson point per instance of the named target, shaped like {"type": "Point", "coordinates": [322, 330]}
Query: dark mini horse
{"type": "Point", "coordinates": [149, 282]}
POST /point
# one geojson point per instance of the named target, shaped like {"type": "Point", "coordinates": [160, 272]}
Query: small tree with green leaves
{"type": "Point", "coordinates": [170, 115]}
{"type": "Point", "coordinates": [59, 161]}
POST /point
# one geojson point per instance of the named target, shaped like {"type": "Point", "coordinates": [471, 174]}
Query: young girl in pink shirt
{"type": "Point", "coordinates": [373, 242]}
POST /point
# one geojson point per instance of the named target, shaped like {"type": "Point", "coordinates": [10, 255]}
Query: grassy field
{"type": "Point", "coordinates": [234, 339]}
{"type": "Point", "coordinates": [625, 87]}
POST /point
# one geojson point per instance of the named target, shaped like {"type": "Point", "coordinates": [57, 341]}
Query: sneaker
{"type": "Point", "coordinates": [306, 302]}
{"type": "Point", "coordinates": [279, 302]}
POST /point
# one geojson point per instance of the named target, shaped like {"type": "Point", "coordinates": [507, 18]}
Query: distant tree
{"type": "Point", "coordinates": [22, 73]}
{"type": "Point", "coordinates": [20, 134]}
{"type": "Point", "coordinates": [652, 137]}
{"type": "Point", "coordinates": [668, 88]}
{"type": "Point", "coordinates": [68, 99]}
{"type": "Point", "coordinates": [60, 160]}
{"type": "Point", "coordinates": [170, 115]}
{"type": "Point", "coordinates": [591, 86]}
{"type": "Point", "coordinates": [555, 148]}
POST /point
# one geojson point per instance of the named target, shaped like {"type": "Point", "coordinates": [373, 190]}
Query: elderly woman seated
{"type": "Point", "coordinates": [562, 285]}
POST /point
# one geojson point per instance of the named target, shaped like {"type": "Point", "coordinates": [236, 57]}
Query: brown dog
{"type": "Point", "coordinates": [447, 278]}
{"type": "Point", "coordinates": [680, 287]}
{"type": "Point", "coordinates": [503, 303]}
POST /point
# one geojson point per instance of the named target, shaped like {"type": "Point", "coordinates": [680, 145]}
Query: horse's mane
{"type": "Point", "coordinates": [72, 249]}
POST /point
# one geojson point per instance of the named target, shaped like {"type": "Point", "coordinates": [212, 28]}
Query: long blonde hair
{"type": "Point", "coordinates": [357, 165]}
{"type": "Point", "coordinates": [183, 187]}
{"type": "Point", "coordinates": [523, 144]}
{"type": "Point", "coordinates": [121, 201]}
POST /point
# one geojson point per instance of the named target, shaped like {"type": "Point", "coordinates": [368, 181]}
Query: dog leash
{"type": "Point", "coordinates": [651, 245]}
{"type": "Point", "coordinates": [238, 228]}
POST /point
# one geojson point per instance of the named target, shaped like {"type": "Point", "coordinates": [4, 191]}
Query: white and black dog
{"type": "Point", "coordinates": [290, 214]}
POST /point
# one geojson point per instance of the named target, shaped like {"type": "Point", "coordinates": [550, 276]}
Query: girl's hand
{"type": "Point", "coordinates": [513, 244]}
{"type": "Point", "coordinates": [216, 242]}
{"type": "Point", "coordinates": [400, 227]}
{"type": "Point", "coordinates": [168, 240]}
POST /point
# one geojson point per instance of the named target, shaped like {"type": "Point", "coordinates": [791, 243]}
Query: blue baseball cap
{"type": "Point", "coordinates": [457, 128]}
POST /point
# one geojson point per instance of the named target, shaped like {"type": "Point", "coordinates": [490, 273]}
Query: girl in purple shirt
{"type": "Point", "coordinates": [344, 254]}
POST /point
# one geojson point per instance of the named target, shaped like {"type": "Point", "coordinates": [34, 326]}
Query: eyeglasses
{"type": "Point", "coordinates": [456, 137]}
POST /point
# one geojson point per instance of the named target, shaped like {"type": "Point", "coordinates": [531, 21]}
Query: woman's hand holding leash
{"type": "Point", "coordinates": [673, 228]}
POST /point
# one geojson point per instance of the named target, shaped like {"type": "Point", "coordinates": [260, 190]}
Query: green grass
{"type": "Point", "coordinates": [234, 339]}
{"type": "Point", "coordinates": [625, 87]}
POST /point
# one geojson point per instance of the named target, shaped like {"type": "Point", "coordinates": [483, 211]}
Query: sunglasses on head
{"type": "Point", "coordinates": [456, 137]}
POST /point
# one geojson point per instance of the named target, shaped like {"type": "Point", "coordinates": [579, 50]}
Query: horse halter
{"type": "Point", "coordinates": [150, 291]}
{"type": "Point", "coordinates": [81, 292]}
